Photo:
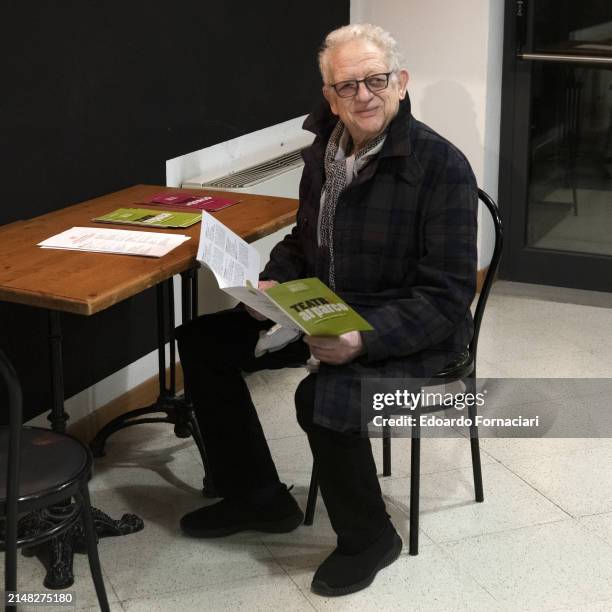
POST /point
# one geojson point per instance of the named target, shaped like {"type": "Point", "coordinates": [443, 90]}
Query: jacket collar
{"type": "Point", "coordinates": [322, 121]}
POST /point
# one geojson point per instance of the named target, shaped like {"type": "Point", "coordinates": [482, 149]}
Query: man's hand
{"type": "Point", "coordinates": [262, 286]}
{"type": "Point", "coordinates": [338, 350]}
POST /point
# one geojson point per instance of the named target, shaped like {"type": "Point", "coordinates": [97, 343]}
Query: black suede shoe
{"type": "Point", "coordinates": [341, 574]}
{"type": "Point", "coordinates": [279, 514]}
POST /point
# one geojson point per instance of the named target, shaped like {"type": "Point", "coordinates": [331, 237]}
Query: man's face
{"type": "Point", "coordinates": [367, 114]}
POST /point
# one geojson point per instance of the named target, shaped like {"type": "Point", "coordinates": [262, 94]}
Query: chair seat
{"type": "Point", "coordinates": [458, 368]}
{"type": "Point", "coordinates": [50, 462]}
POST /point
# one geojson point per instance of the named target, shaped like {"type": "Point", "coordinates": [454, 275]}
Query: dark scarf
{"type": "Point", "coordinates": [335, 184]}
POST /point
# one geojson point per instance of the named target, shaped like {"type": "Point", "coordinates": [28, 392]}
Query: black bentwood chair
{"type": "Point", "coordinates": [41, 470]}
{"type": "Point", "coordinates": [463, 370]}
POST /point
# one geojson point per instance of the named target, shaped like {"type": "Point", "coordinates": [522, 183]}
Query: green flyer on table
{"type": "Point", "coordinates": [151, 218]}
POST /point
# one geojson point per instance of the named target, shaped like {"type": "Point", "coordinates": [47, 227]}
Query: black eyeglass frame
{"type": "Point", "coordinates": [387, 75]}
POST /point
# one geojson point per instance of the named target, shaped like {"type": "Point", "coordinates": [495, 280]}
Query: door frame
{"type": "Point", "coordinates": [519, 262]}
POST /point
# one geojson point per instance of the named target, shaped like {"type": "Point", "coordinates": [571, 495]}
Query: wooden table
{"type": "Point", "coordinates": [86, 283]}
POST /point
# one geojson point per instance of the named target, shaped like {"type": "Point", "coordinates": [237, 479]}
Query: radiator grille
{"type": "Point", "coordinates": [260, 172]}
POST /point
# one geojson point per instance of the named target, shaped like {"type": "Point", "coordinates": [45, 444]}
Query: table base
{"type": "Point", "coordinates": [177, 412]}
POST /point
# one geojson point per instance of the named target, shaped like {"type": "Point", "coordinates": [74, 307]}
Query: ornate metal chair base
{"type": "Point", "coordinates": [58, 551]}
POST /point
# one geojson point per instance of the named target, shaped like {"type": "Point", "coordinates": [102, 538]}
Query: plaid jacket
{"type": "Point", "coordinates": [404, 253]}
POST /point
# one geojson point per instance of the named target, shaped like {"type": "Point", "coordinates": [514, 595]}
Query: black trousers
{"type": "Point", "coordinates": [215, 350]}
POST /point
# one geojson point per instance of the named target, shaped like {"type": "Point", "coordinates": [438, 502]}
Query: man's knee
{"type": "Point", "coordinates": [304, 402]}
{"type": "Point", "coordinates": [218, 336]}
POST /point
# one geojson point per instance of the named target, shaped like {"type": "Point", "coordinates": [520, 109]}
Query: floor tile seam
{"type": "Point", "coordinates": [405, 510]}
{"type": "Point", "coordinates": [593, 533]}
{"type": "Point", "coordinates": [193, 589]}
{"type": "Point", "coordinates": [493, 458]}
{"type": "Point", "coordinates": [441, 471]}
{"type": "Point", "coordinates": [286, 573]}
{"type": "Point", "coordinates": [465, 571]}
{"type": "Point", "coordinates": [494, 462]}
{"type": "Point", "coordinates": [535, 488]}
{"type": "Point", "coordinates": [107, 580]}
{"type": "Point", "coordinates": [303, 592]}
{"type": "Point", "coordinates": [210, 585]}
{"type": "Point", "coordinates": [569, 452]}
{"type": "Point", "coordinates": [551, 454]}
{"type": "Point", "coordinates": [502, 531]}
{"type": "Point", "coordinates": [496, 599]}
{"type": "Point", "coordinates": [538, 523]}
{"type": "Point", "coordinates": [582, 516]}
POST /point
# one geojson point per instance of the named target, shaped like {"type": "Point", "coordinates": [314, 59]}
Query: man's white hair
{"type": "Point", "coordinates": [362, 31]}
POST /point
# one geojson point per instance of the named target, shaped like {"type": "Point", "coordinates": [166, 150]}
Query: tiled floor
{"type": "Point", "coordinates": [542, 540]}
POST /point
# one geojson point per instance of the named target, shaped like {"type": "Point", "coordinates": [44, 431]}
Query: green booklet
{"type": "Point", "coordinates": [306, 304]}
{"type": "Point", "coordinates": [150, 218]}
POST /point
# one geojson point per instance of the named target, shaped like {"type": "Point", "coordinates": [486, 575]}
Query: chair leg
{"type": "Point", "coordinates": [92, 549]}
{"type": "Point", "coordinates": [475, 446]}
{"type": "Point", "coordinates": [10, 555]}
{"type": "Point", "coordinates": [415, 473]}
{"type": "Point", "coordinates": [312, 497]}
{"type": "Point", "coordinates": [10, 560]}
{"type": "Point", "coordinates": [386, 451]}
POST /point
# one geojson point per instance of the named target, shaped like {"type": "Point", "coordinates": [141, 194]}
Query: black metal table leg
{"type": "Point", "coordinates": [176, 410]}
{"type": "Point", "coordinates": [58, 416]}
{"type": "Point", "coordinates": [167, 402]}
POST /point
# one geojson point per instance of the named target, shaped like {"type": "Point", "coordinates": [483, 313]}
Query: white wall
{"type": "Point", "coordinates": [453, 52]}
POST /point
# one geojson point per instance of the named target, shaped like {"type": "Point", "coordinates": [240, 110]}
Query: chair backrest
{"type": "Point", "coordinates": [493, 265]}
{"type": "Point", "coordinates": [14, 405]}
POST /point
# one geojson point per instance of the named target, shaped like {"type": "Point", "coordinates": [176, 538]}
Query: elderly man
{"type": "Point", "coordinates": [387, 218]}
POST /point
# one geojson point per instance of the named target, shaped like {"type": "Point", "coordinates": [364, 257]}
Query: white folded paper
{"type": "Point", "coordinates": [123, 242]}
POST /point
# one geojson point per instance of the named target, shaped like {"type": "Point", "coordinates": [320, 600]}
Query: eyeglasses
{"type": "Point", "coordinates": [374, 83]}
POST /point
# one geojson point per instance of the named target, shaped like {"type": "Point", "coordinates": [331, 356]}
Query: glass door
{"type": "Point", "coordinates": [556, 168]}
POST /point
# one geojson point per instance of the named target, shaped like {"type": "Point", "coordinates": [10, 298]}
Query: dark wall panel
{"type": "Point", "coordinates": [98, 94]}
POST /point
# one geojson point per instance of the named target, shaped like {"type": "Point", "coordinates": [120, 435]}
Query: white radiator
{"type": "Point", "coordinates": [266, 162]}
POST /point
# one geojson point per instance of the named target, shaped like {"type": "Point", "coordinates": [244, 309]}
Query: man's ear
{"type": "Point", "coordinates": [402, 79]}
{"type": "Point", "coordinates": [331, 98]}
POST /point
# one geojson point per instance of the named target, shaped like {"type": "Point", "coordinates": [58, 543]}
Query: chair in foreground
{"type": "Point", "coordinates": [463, 370]}
{"type": "Point", "coordinates": [44, 470]}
